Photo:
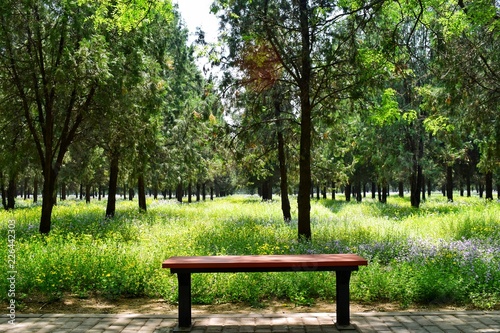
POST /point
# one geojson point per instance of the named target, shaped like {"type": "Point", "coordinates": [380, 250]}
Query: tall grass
{"type": "Point", "coordinates": [444, 252]}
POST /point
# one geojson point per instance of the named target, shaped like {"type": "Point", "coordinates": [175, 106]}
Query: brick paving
{"type": "Point", "coordinates": [404, 322]}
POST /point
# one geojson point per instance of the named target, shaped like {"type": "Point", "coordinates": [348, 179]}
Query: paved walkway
{"type": "Point", "coordinates": [432, 322]}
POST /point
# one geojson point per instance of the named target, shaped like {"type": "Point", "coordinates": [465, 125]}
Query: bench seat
{"type": "Point", "coordinates": [342, 264]}
{"type": "Point", "coordinates": [299, 262]}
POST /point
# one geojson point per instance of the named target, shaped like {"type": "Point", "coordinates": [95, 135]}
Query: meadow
{"type": "Point", "coordinates": [443, 253]}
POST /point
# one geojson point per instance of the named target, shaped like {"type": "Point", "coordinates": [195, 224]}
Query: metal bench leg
{"type": "Point", "coordinates": [343, 311]}
{"type": "Point", "coordinates": [184, 299]}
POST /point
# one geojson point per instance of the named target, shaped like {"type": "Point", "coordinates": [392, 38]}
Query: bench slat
{"type": "Point", "coordinates": [265, 261]}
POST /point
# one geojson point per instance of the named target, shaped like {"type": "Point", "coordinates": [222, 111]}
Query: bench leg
{"type": "Point", "coordinates": [184, 299]}
{"type": "Point", "coordinates": [343, 311]}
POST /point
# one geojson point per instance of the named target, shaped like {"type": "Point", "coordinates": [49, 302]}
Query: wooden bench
{"type": "Point", "coordinates": [342, 264]}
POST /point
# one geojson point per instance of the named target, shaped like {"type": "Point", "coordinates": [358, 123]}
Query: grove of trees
{"type": "Point", "coordinates": [305, 96]}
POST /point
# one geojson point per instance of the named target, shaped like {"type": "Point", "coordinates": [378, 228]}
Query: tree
{"type": "Point", "coordinates": [475, 56]}
{"type": "Point", "coordinates": [185, 108]}
{"type": "Point", "coordinates": [464, 84]}
{"type": "Point", "coordinates": [56, 54]}
{"type": "Point", "coordinates": [133, 98]}
{"type": "Point", "coordinates": [16, 152]}
{"type": "Point", "coordinates": [55, 58]}
{"type": "Point", "coordinates": [311, 41]}
{"type": "Point", "coordinates": [262, 81]}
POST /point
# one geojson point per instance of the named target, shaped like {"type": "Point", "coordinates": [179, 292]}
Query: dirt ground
{"type": "Point", "coordinates": [72, 304]}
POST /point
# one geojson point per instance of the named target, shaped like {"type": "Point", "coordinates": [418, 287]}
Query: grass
{"type": "Point", "coordinates": [446, 253]}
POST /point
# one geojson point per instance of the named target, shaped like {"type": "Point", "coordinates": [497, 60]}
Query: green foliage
{"type": "Point", "coordinates": [454, 24]}
{"type": "Point", "coordinates": [127, 15]}
{"type": "Point", "coordinates": [442, 253]}
{"type": "Point", "coordinates": [388, 111]}
{"type": "Point", "coordinates": [438, 124]}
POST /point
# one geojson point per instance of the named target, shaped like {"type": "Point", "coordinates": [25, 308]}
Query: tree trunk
{"type": "Point", "coordinates": [204, 191]}
{"type": "Point", "coordinates": [63, 191]}
{"type": "Point", "coordinates": [420, 180]}
{"type": "Point", "coordinates": [11, 193]}
{"type": "Point", "coordinates": [88, 189]}
{"type": "Point", "coordinates": [198, 192]}
{"type": "Point", "coordinates": [385, 191]}
{"type": "Point", "coordinates": [416, 146]}
{"type": "Point", "coordinates": [267, 190]}
{"type": "Point", "coordinates": [141, 193]}
{"type": "Point", "coordinates": [304, 203]}
{"type": "Point", "coordinates": [401, 189]}
{"type": "Point", "coordinates": [155, 191]}
{"type": "Point", "coordinates": [25, 189]}
{"type": "Point", "coordinates": [4, 198]}
{"type": "Point", "coordinates": [489, 186]}
{"type": "Point", "coordinates": [449, 183]}
{"type": "Point", "coordinates": [415, 185]}
{"type": "Point", "coordinates": [423, 188]}
{"type": "Point", "coordinates": [113, 184]}
{"type": "Point", "coordinates": [348, 189]}
{"type": "Point", "coordinates": [35, 190]}
{"type": "Point", "coordinates": [178, 192]}
{"type": "Point", "coordinates": [190, 192]}
{"type": "Point", "coordinates": [374, 190]}
{"type": "Point", "coordinates": [4, 192]}
{"type": "Point", "coordinates": [285, 202]}
{"type": "Point", "coordinates": [333, 190]}
{"type": "Point", "coordinates": [48, 199]}
{"type": "Point", "coordinates": [359, 193]}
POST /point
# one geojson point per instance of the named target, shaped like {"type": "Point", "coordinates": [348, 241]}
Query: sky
{"type": "Point", "coordinates": [196, 13]}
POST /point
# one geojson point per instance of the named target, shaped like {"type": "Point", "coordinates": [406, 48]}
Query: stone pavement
{"type": "Point", "coordinates": [379, 322]}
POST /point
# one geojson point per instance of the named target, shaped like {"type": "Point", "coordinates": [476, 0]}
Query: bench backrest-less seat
{"type": "Point", "coordinates": [341, 264]}
{"type": "Point", "coordinates": [264, 263]}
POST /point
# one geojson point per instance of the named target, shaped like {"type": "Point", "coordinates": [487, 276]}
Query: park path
{"type": "Point", "coordinates": [374, 322]}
